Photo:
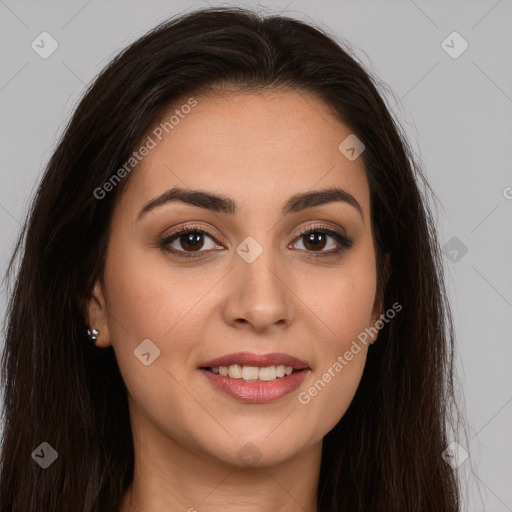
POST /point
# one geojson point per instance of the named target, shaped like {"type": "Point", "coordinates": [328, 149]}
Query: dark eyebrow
{"type": "Point", "coordinates": [223, 204]}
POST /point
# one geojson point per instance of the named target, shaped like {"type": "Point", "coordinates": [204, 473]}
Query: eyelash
{"type": "Point", "coordinates": [343, 241]}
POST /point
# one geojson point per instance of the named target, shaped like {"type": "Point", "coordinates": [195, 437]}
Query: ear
{"type": "Point", "coordinates": [96, 314]}
{"type": "Point", "coordinates": [378, 305]}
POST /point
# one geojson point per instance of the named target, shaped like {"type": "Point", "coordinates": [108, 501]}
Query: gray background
{"type": "Point", "coordinates": [456, 112]}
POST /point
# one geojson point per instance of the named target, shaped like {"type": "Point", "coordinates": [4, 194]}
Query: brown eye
{"type": "Point", "coordinates": [189, 240]}
{"type": "Point", "coordinates": [316, 239]}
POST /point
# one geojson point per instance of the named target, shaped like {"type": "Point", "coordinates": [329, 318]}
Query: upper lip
{"type": "Point", "coordinates": [252, 359]}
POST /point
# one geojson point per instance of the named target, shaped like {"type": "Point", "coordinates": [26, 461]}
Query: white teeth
{"type": "Point", "coordinates": [266, 373]}
{"type": "Point", "coordinates": [235, 371]}
{"type": "Point", "coordinates": [250, 373]}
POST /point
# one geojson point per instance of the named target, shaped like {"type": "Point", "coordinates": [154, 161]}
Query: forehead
{"type": "Point", "coordinates": [254, 147]}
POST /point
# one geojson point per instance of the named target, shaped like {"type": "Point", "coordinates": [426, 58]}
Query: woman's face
{"type": "Point", "coordinates": [255, 292]}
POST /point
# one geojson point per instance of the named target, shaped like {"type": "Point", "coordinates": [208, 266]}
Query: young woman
{"type": "Point", "coordinates": [230, 292]}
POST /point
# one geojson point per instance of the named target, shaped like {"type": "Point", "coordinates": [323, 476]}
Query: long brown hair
{"type": "Point", "coordinates": [385, 453]}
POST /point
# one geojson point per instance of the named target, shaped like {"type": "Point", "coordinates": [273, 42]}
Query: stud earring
{"type": "Point", "coordinates": [92, 335]}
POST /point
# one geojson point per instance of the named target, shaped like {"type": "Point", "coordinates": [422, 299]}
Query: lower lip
{"type": "Point", "coordinates": [256, 390]}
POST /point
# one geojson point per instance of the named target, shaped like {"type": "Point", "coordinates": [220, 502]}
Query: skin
{"type": "Point", "coordinates": [258, 149]}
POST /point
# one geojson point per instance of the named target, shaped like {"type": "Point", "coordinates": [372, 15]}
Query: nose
{"type": "Point", "coordinates": [259, 294]}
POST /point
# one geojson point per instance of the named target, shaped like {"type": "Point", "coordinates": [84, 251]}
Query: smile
{"type": "Point", "coordinates": [249, 373]}
{"type": "Point", "coordinates": [251, 377]}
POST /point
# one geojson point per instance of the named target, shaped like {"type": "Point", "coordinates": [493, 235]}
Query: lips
{"type": "Point", "coordinates": [250, 377]}
{"type": "Point", "coordinates": [260, 360]}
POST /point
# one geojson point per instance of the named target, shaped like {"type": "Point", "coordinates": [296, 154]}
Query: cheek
{"type": "Point", "coordinates": [331, 388]}
{"type": "Point", "coordinates": [341, 358]}
{"type": "Point", "coordinates": [145, 304]}
{"type": "Point", "coordinates": [345, 306]}
{"type": "Point", "coordinates": [343, 301]}
{"type": "Point", "coordinates": [145, 301]}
